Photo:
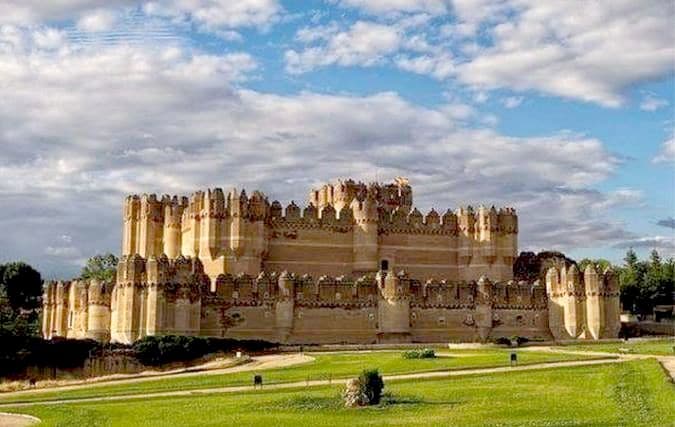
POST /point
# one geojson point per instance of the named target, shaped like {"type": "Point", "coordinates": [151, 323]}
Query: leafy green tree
{"type": "Point", "coordinates": [101, 267]}
{"type": "Point", "coordinates": [22, 286]}
{"type": "Point", "coordinates": [645, 284]}
{"type": "Point", "coordinates": [20, 300]}
{"type": "Point", "coordinates": [599, 264]}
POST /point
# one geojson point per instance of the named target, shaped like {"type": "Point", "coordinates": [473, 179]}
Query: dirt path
{"type": "Point", "coordinates": [302, 384]}
{"type": "Point", "coordinates": [668, 362]}
{"type": "Point", "coordinates": [17, 420]}
{"type": "Point", "coordinates": [257, 363]}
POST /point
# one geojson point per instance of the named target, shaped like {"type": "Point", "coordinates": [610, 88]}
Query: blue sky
{"type": "Point", "coordinates": [564, 111]}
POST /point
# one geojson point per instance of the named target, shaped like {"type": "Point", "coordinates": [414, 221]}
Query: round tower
{"type": "Point", "coordinates": [393, 308]}
{"type": "Point", "coordinates": [365, 247]}
{"type": "Point", "coordinates": [98, 312]}
{"type": "Point", "coordinates": [284, 307]}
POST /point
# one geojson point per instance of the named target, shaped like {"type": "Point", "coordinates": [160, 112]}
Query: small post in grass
{"type": "Point", "coordinates": [514, 358]}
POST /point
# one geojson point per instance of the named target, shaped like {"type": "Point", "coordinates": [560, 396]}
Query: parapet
{"type": "Point", "coordinates": [397, 194]}
{"type": "Point", "coordinates": [328, 291]}
{"type": "Point", "coordinates": [562, 281]}
{"type": "Point", "coordinates": [134, 269]}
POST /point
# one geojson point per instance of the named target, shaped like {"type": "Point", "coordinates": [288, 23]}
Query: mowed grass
{"type": "Point", "coordinates": [634, 393]}
{"type": "Point", "coordinates": [661, 347]}
{"type": "Point", "coordinates": [325, 366]}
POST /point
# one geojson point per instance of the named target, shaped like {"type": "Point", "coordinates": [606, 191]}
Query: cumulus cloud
{"type": "Point", "coordinates": [667, 153]}
{"type": "Point", "coordinates": [512, 101]}
{"type": "Point", "coordinates": [26, 12]}
{"type": "Point", "coordinates": [389, 6]}
{"type": "Point", "coordinates": [97, 20]}
{"type": "Point", "coordinates": [650, 102]}
{"type": "Point", "coordinates": [364, 43]}
{"type": "Point", "coordinates": [591, 53]}
{"type": "Point", "coordinates": [218, 14]}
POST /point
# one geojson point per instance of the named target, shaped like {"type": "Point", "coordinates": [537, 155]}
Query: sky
{"type": "Point", "coordinates": [561, 109]}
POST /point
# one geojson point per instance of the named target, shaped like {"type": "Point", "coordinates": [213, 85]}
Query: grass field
{"type": "Point", "coordinates": [633, 393]}
{"type": "Point", "coordinates": [335, 365]}
{"type": "Point", "coordinates": [663, 347]}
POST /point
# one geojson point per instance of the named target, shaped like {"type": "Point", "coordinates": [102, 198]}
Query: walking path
{"type": "Point", "coordinates": [314, 383]}
{"type": "Point", "coordinates": [17, 420]}
{"type": "Point", "coordinates": [668, 362]}
{"type": "Point", "coordinates": [270, 361]}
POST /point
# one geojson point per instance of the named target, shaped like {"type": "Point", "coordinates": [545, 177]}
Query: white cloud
{"type": "Point", "coordinates": [650, 242]}
{"type": "Point", "coordinates": [512, 101]}
{"type": "Point", "coordinates": [389, 6]}
{"type": "Point", "coordinates": [97, 20]}
{"type": "Point", "coordinates": [27, 12]}
{"type": "Point", "coordinates": [364, 43]}
{"type": "Point", "coordinates": [667, 153]}
{"type": "Point", "coordinates": [49, 38]}
{"type": "Point", "coordinates": [218, 14]}
{"type": "Point", "coordinates": [591, 53]}
{"type": "Point", "coordinates": [439, 66]}
{"type": "Point", "coordinates": [651, 102]}
{"type": "Point", "coordinates": [62, 251]}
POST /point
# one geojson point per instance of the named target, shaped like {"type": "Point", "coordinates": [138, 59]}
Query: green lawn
{"type": "Point", "coordinates": [663, 347]}
{"type": "Point", "coordinates": [632, 393]}
{"type": "Point", "coordinates": [335, 365]}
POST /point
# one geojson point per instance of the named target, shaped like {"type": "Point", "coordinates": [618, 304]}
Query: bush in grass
{"type": "Point", "coordinates": [425, 353]}
{"type": "Point", "coordinates": [503, 341]}
{"type": "Point", "coordinates": [513, 341]}
{"type": "Point", "coordinates": [371, 385]}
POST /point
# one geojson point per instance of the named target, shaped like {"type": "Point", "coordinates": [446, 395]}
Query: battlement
{"type": "Point", "coordinates": [134, 269]}
{"type": "Point", "coordinates": [365, 289]}
{"type": "Point", "coordinates": [561, 281]}
{"type": "Point", "coordinates": [583, 305]}
{"type": "Point", "coordinates": [341, 193]}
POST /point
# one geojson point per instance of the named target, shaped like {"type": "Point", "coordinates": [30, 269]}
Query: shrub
{"type": "Point", "coordinates": [426, 353]}
{"type": "Point", "coordinates": [521, 340]}
{"type": "Point", "coordinates": [511, 341]}
{"type": "Point", "coordinates": [158, 350]}
{"type": "Point", "coordinates": [19, 352]}
{"type": "Point", "coordinates": [503, 341]}
{"type": "Point", "coordinates": [371, 385]}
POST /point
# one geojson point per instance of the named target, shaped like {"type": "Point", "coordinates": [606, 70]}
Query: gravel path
{"type": "Point", "coordinates": [17, 420]}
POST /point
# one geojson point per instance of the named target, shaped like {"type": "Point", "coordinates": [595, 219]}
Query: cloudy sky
{"type": "Point", "coordinates": [561, 109]}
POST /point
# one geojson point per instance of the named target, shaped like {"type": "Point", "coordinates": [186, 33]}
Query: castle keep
{"type": "Point", "coordinates": [358, 264]}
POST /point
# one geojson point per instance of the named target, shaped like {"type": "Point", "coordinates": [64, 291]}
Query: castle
{"type": "Point", "coordinates": [359, 264]}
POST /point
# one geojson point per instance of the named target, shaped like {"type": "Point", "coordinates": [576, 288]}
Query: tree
{"type": "Point", "coordinates": [599, 264]}
{"type": "Point", "coordinates": [645, 284]}
{"type": "Point", "coordinates": [20, 299]}
{"type": "Point", "coordinates": [22, 286]}
{"type": "Point", "coordinates": [101, 267]}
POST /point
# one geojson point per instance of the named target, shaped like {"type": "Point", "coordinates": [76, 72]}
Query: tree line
{"type": "Point", "coordinates": [644, 284]}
